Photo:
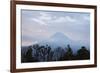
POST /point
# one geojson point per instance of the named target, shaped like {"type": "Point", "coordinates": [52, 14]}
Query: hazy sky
{"type": "Point", "coordinates": [40, 25]}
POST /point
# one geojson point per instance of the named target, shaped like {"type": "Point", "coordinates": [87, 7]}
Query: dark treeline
{"type": "Point", "coordinates": [37, 53]}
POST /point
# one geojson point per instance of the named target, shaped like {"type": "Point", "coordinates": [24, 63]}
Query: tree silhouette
{"type": "Point", "coordinates": [36, 46]}
{"type": "Point", "coordinates": [43, 53]}
{"type": "Point", "coordinates": [83, 53]}
{"type": "Point", "coordinates": [28, 55]}
{"type": "Point", "coordinates": [58, 54]}
{"type": "Point", "coordinates": [23, 57]}
{"type": "Point", "coordinates": [37, 53]}
{"type": "Point", "coordinates": [49, 53]}
{"type": "Point", "coordinates": [69, 53]}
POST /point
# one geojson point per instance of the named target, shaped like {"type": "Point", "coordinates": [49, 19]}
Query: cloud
{"type": "Point", "coordinates": [70, 19]}
{"type": "Point", "coordinates": [45, 16]}
{"type": "Point", "coordinates": [39, 21]}
{"type": "Point", "coordinates": [48, 18]}
{"type": "Point", "coordinates": [39, 25]}
{"type": "Point", "coordinates": [59, 20]}
{"type": "Point", "coordinates": [64, 19]}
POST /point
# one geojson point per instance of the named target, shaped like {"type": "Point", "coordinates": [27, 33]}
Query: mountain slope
{"type": "Point", "coordinates": [60, 40]}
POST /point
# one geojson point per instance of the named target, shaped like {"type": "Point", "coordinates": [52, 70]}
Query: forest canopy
{"type": "Point", "coordinates": [37, 53]}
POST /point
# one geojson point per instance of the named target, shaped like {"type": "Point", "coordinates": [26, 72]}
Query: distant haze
{"type": "Point", "coordinates": [41, 25]}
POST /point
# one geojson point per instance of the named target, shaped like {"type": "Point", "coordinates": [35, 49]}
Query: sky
{"type": "Point", "coordinates": [38, 25]}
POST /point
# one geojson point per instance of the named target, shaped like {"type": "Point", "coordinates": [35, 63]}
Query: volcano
{"type": "Point", "coordinates": [52, 49]}
{"type": "Point", "coordinates": [60, 40]}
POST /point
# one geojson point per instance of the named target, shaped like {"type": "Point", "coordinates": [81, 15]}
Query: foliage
{"type": "Point", "coordinates": [41, 53]}
{"type": "Point", "coordinates": [83, 53]}
{"type": "Point", "coordinates": [69, 53]}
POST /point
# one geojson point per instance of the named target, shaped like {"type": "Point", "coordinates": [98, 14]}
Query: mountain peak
{"type": "Point", "coordinates": [59, 39]}
{"type": "Point", "coordinates": [59, 35]}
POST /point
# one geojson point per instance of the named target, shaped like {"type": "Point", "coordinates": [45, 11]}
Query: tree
{"type": "Point", "coordinates": [69, 53]}
{"type": "Point", "coordinates": [28, 55]}
{"type": "Point", "coordinates": [23, 58]}
{"type": "Point", "coordinates": [58, 52]}
{"type": "Point", "coordinates": [43, 53]}
{"type": "Point", "coordinates": [49, 54]}
{"type": "Point", "coordinates": [83, 53]}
